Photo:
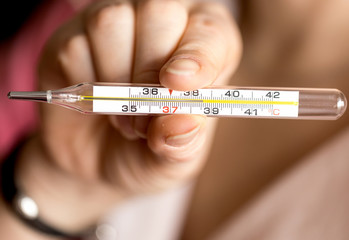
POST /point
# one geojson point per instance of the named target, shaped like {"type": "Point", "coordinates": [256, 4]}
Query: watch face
{"type": "Point", "coordinates": [27, 207]}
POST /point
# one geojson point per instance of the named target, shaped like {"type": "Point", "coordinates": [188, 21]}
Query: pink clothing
{"type": "Point", "coordinates": [18, 60]}
{"type": "Point", "coordinates": [310, 201]}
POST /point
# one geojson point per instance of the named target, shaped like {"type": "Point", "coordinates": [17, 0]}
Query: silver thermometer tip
{"type": "Point", "coordinates": [31, 96]}
{"type": "Point", "coordinates": [341, 104]}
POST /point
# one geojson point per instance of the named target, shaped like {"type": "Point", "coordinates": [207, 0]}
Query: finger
{"type": "Point", "coordinates": [140, 125]}
{"type": "Point", "coordinates": [125, 126]}
{"type": "Point", "coordinates": [160, 25]}
{"type": "Point", "coordinates": [110, 27]}
{"type": "Point", "coordinates": [209, 49]}
{"type": "Point", "coordinates": [178, 138]}
{"type": "Point", "coordinates": [66, 58]}
{"type": "Point", "coordinates": [76, 61]}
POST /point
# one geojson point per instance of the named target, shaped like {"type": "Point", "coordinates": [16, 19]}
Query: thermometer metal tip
{"type": "Point", "coordinates": [215, 101]}
{"type": "Point", "coordinates": [32, 96]}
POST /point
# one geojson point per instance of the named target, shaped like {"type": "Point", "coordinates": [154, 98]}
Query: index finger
{"type": "Point", "coordinates": [210, 49]}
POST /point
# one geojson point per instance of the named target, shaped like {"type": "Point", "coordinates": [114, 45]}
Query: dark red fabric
{"type": "Point", "coordinates": [18, 61]}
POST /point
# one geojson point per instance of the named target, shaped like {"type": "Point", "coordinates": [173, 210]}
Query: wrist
{"type": "Point", "coordinates": [64, 201]}
{"type": "Point", "coordinates": [16, 208]}
{"type": "Point", "coordinates": [12, 228]}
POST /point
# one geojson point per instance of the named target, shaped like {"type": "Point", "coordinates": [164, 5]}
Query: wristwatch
{"type": "Point", "coordinates": [23, 206]}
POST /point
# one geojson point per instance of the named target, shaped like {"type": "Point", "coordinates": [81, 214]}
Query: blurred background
{"type": "Point", "coordinates": [287, 43]}
{"type": "Point", "coordinates": [14, 14]}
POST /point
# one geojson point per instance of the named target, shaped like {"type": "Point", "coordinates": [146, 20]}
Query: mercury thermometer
{"type": "Point", "coordinates": [216, 101]}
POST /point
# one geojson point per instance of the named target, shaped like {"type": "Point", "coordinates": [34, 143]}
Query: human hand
{"type": "Point", "coordinates": [184, 45]}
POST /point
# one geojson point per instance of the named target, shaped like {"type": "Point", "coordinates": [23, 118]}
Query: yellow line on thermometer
{"type": "Point", "coordinates": [219, 101]}
{"type": "Point", "coordinates": [251, 102]}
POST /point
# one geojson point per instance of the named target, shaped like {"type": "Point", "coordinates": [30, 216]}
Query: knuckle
{"type": "Point", "coordinates": [211, 17]}
{"type": "Point", "coordinates": [215, 8]}
{"type": "Point", "coordinates": [206, 24]}
{"type": "Point", "coordinates": [71, 49]}
{"type": "Point", "coordinates": [200, 49]}
{"type": "Point", "coordinates": [107, 16]}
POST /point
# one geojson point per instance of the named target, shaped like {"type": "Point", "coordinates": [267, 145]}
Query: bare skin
{"type": "Point", "coordinates": [75, 159]}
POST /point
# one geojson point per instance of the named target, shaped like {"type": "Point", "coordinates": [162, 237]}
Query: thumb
{"type": "Point", "coordinates": [210, 48]}
{"type": "Point", "coordinates": [177, 138]}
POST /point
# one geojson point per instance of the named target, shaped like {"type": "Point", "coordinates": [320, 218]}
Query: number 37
{"type": "Point", "coordinates": [167, 109]}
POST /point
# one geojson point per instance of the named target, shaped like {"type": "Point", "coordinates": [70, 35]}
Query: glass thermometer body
{"type": "Point", "coordinates": [217, 101]}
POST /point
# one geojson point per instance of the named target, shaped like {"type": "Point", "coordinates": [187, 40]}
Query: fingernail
{"type": "Point", "coordinates": [140, 125]}
{"type": "Point", "coordinates": [182, 139]}
{"type": "Point", "coordinates": [125, 127]}
{"type": "Point", "coordinates": [140, 134]}
{"type": "Point", "coordinates": [184, 67]}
